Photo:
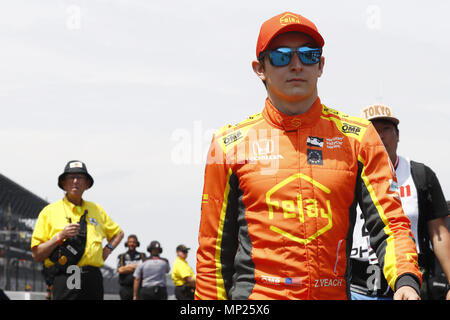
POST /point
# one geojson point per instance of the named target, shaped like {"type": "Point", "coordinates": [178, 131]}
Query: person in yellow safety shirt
{"type": "Point", "coordinates": [183, 276]}
{"type": "Point", "coordinates": [68, 237]}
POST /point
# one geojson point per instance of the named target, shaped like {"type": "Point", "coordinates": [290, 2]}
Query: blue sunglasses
{"type": "Point", "coordinates": [281, 57]}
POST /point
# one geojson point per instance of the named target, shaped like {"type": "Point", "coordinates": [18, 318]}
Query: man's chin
{"type": "Point", "coordinates": [296, 97]}
{"type": "Point", "coordinates": [75, 192]}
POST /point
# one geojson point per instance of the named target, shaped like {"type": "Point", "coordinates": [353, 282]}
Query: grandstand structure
{"type": "Point", "coordinates": [19, 209]}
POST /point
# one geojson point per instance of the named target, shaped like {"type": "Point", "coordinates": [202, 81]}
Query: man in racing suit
{"type": "Point", "coordinates": [281, 187]}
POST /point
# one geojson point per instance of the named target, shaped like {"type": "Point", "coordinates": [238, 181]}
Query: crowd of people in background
{"type": "Point", "coordinates": [143, 277]}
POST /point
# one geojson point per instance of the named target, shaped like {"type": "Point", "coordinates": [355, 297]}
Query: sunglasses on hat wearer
{"type": "Point", "coordinates": [282, 56]}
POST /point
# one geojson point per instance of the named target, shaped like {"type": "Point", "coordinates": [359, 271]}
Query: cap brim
{"type": "Point", "coordinates": [390, 119]}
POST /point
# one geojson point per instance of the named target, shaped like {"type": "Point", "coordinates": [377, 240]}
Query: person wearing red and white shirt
{"type": "Point", "coordinates": [427, 210]}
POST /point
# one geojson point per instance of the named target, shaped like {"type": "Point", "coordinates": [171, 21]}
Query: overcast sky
{"type": "Point", "coordinates": [135, 88]}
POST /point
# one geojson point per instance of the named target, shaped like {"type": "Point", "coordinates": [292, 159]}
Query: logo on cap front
{"type": "Point", "coordinates": [75, 164]}
{"type": "Point", "coordinates": [289, 18]}
{"type": "Point", "coordinates": [377, 110]}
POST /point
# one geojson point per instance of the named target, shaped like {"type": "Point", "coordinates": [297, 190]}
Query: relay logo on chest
{"type": "Point", "coordinates": [288, 214]}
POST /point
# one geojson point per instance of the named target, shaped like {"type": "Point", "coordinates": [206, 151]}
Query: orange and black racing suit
{"type": "Point", "coordinates": [278, 208]}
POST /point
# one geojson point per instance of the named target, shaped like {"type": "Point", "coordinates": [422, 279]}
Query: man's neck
{"type": "Point", "coordinates": [74, 199]}
{"type": "Point", "coordinates": [292, 106]}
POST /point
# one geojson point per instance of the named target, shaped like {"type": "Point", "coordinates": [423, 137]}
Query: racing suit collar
{"type": "Point", "coordinates": [292, 123]}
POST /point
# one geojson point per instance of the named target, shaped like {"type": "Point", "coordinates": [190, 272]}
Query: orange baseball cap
{"type": "Point", "coordinates": [286, 22]}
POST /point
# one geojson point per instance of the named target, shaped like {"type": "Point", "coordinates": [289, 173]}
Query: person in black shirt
{"type": "Point", "coordinates": [128, 262]}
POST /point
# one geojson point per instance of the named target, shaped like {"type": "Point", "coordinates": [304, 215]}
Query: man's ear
{"type": "Point", "coordinates": [258, 68]}
{"type": "Point", "coordinates": [321, 65]}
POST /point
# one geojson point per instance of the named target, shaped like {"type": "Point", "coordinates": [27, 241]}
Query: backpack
{"type": "Point", "coordinates": [72, 250]}
{"type": "Point", "coordinates": [434, 280]}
